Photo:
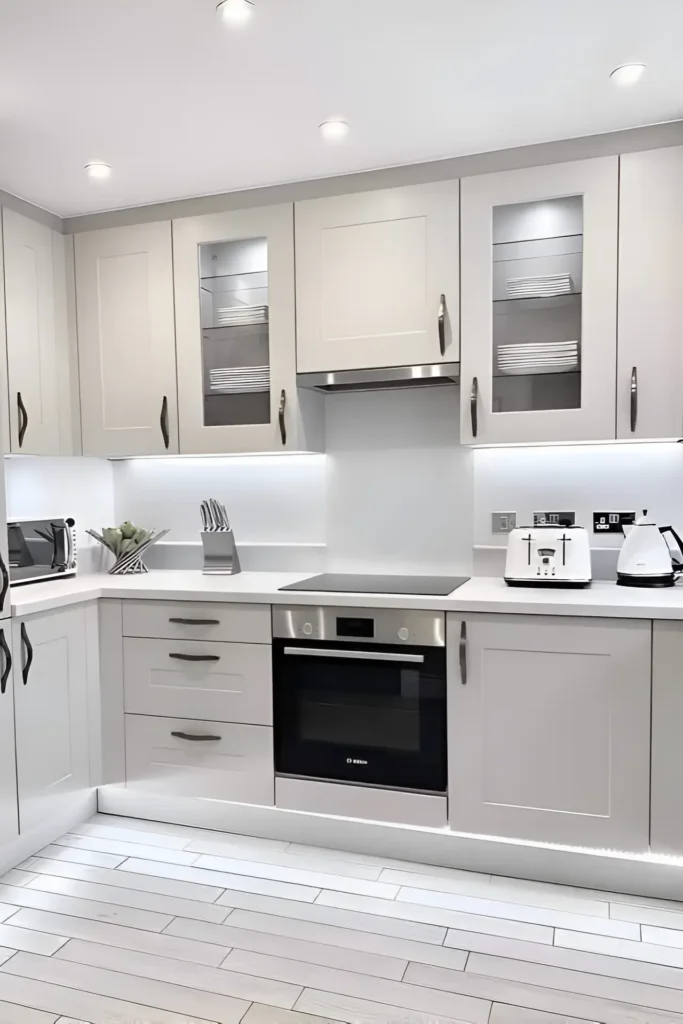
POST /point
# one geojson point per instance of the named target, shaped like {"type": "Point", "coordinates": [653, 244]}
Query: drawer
{"type": "Point", "coordinates": [235, 763]}
{"type": "Point", "coordinates": [346, 801]}
{"type": "Point", "coordinates": [198, 679]}
{"type": "Point", "coordinates": [191, 620]}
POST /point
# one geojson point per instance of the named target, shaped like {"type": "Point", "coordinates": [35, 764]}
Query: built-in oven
{"type": "Point", "coordinates": [360, 696]}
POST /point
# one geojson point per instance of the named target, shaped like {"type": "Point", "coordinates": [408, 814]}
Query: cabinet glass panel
{"type": "Point", "coordinates": [537, 276]}
{"type": "Point", "coordinates": [234, 319]}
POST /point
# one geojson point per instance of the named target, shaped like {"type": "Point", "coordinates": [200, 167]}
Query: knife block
{"type": "Point", "coordinates": [220, 553]}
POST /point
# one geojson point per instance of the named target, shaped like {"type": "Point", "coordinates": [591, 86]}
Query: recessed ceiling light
{"type": "Point", "coordinates": [334, 131]}
{"type": "Point", "coordinates": [98, 169]}
{"type": "Point", "coordinates": [628, 74]}
{"type": "Point", "coordinates": [235, 12]}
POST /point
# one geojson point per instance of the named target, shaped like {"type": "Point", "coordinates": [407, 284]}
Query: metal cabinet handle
{"type": "Point", "coordinates": [442, 325]}
{"type": "Point", "coordinates": [5, 582]}
{"type": "Point", "coordinates": [28, 647]}
{"type": "Point", "coordinates": [327, 652]}
{"type": "Point", "coordinates": [281, 416]}
{"type": "Point", "coordinates": [196, 622]}
{"type": "Point", "coordinates": [474, 396]}
{"type": "Point", "coordinates": [163, 422]}
{"type": "Point", "coordinates": [634, 398]}
{"type": "Point", "coordinates": [23, 418]}
{"type": "Point", "coordinates": [463, 653]}
{"type": "Point", "coordinates": [8, 661]}
{"type": "Point", "coordinates": [196, 657]}
{"type": "Point", "coordinates": [191, 738]}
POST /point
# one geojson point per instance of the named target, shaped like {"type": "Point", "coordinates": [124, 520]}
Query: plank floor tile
{"type": "Point", "coordinates": [647, 915]}
{"type": "Point", "coordinates": [259, 1013]}
{"type": "Point", "coordinates": [130, 917]}
{"type": "Point", "coordinates": [131, 835]}
{"type": "Point", "coordinates": [303, 862]}
{"type": "Point", "coordinates": [129, 880]}
{"type": "Point", "coordinates": [33, 941]}
{"type": "Point", "coordinates": [204, 876]}
{"type": "Point", "coordinates": [96, 860]}
{"type": "Point", "coordinates": [16, 877]}
{"type": "Point", "coordinates": [15, 1014]}
{"type": "Point", "coordinates": [362, 1011]}
{"type": "Point", "coordinates": [123, 849]}
{"type": "Point", "coordinates": [185, 831]}
{"type": "Point", "coordinates": [662, 936]}
{"type": "Point", "coordinates": [318, 879]}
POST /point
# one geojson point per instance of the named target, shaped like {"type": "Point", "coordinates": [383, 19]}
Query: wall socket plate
{"type": "Point", "coordinates": [554, 518]}
{"type": "Point", "coordinates": [612, 522]}
{"type": "Point", "coordinates": [503, 522]}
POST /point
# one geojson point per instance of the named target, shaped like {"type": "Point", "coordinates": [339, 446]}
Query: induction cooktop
{"type": "Point", "coordinates": [348, 583]}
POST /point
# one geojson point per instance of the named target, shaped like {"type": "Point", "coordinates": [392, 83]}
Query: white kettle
{"type": "Point", "coordinates": [645, 559]}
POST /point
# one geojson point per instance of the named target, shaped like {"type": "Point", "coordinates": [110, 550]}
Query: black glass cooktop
{"type": "Point", "coordinates": [347, 583]}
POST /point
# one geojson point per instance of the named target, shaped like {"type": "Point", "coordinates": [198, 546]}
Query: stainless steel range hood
{"type": "Point", "coordinates": [382, 378]}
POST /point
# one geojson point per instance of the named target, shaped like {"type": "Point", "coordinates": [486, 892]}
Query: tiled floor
{"type": "Point", "coordinates": [125, 922]}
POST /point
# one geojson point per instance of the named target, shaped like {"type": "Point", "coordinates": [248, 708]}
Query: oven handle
{"type": "Point", "coordinates": [319, 652]}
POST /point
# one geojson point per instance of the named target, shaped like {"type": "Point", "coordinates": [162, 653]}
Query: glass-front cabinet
{"type": "Point", "coordinates": [538, 304]}
{"type": "Point", "coordinates": [235, 329]}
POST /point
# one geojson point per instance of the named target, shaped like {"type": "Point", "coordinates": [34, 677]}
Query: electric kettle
{"type": "Point", "coordinates": [645, 559]}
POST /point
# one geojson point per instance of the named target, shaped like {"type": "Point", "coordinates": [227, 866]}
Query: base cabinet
{"type": "Point", "coordinates": [549, 729]}
{"type": "Point", "coordinates": [9, 820]}
{"type": "Point", "coordinates": [667, 751]}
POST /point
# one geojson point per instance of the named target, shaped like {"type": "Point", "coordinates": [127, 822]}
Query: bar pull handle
{"type": "Point", "coordinates": [8, 661]}
{"type": "Point", "coordinates": [191, 738]}
{"type": "Point", "coordinates": [28, 647]}
{"type": "Point", "coordinates": [195, 622]}
{"type": "Point", "coordinates": [634, 398]}
{"type": "Point", "coordinates": [463, 653]}
{"type": "Point", "coordinates": [163, 422]}
{"type": "Point", "coordinates": [474, 397]}
{"type": "Point", "coordinates": [442, 325]}
{"type": "Point", "coordinates": [23, 418]}
{"type": "Point", "coordinates": [5, 582]}
{"type": "Point", "coordinates": [195, 657]}
{"type": "Point", "coordinates": [281, 416]}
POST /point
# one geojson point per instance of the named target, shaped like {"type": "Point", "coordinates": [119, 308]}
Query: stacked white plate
{"type": "Point", "coordinates": [239, 380]}
{"type": "Point", "coordinates": [241, 316]}
{"type": "Point", "coordinates": [539, 357]}
{"type": "Point", "coordinates": [541, 286]}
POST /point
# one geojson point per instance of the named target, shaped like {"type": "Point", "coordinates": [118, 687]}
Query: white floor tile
{"type": "Point", "coordinates": [123, 849]}
{"type": "Point", "coordinates": [35, 941]}
{"type": "Point", "coordinates": [131, 835]}
{"type": "Point", "coordinates": [175, 1001]}
{"type": "Point", "coordinates": [259, 1013]}
{"type": "Point", "coordinates": [647, 915]}
{"type": "Point", "coordinates": [648, 952]}
{"type": "Point", "coordinates": [6, 910]}
{"type": "Point", "coordinates": [187, 831]}
{"type": "Point", "coordinates": [662, 936]}
{"type": "Point", "coordinates": [331, 935]}
{"type": "Point", "coordinates": [345, 957]}
{"type": "Point", "coordinates": [304, 862]}
{"type": "Point", "coordinates": [500, 926]}
{"type": "Point", "coordinates": [166, 906]}
{"type": "Point", "coordinates": [130, 917]}
{"type": "Point", "coordinates": [520, 912]}
{"type": "Point", "coordinates": [342, 918]}
{"type": "Point", "coordinates": [15, 1014]}
{"type": "Point", "coordinates": [316, 879]}
{"type": "Point", "coordinates": [97, 860]}
{"type": "Point", "coordinates": [191, 976]}
{"type": "Point", "coordinates": [17, 877]}
{"type": "Point", "coordinates": [502, 1014]}
{"type": "Point", "coordinates": [204, 876]}
{"type": "Point", "coordinates": [127, 880]}
{"type": "Point", "coordinates": [5, 954]}
{"type": "Point", "coordinates": [361, 986]}
{"type": "Point", "coordinates": [362, 1011]}
{"type": "Point", "coordinates": [114, 935]}
{"type": "Point", "coordinates": [299, 849]}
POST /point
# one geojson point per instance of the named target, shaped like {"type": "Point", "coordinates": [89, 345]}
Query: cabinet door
{"type": "Point", "coordinates": [9, 822]}
{"type": "Point", "coordinates": [126, 340]}
{"type": "Point", "coordinates": [667, 752]}
{"type": "Point", "coordinates": [51, 715]}
{"type": "Point", "coordinates": [539, 302]}
{"type": "Point", "coordinates": [374, 272]}
{"type": "Point", "coordinates": [549, 729]}
{"type": "Point", "coordinates": [234, 292]}
{"type": "Point", "coordinates": [650, 346]}
{"type": "Point", "coordinates": [32, 345]}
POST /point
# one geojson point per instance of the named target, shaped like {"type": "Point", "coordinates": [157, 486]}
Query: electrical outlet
{"type": "Point", "coordinates": [554, 518]}
{"type": "Point", "coordinates": [612, 522]}
{"type": "Point", "coordinates": [503, 522]}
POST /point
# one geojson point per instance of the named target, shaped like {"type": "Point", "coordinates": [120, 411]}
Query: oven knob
{"type": "Point", "coordinates": [307, 628]}
{"type": "Point", "coordinates": [403, 633]}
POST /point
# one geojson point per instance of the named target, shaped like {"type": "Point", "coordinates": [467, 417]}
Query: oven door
{"type": "Point", "coordinates": [372, 714]}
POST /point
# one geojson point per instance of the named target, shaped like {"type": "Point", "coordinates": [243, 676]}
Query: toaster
{"type": "Point", "coordinates": [548, 556]}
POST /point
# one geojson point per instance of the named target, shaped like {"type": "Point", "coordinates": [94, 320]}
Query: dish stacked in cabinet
{"type": "Point", "coordinates": [198, 700]}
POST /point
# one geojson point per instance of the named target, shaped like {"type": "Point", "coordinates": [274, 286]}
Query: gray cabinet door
{"type": "Point", "coordinates": [549, 729]}
{"type": "Point", "coordinates": [9, 825]}
{"type": "Point", "coordinates": [667, 746]}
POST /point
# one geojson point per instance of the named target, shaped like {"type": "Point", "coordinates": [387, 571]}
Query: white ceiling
{"type": "Point", "coordinates": [181, 106]}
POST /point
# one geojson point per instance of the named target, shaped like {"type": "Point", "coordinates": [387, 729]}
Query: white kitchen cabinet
{"type": "Point", "coordinates": [35, 337]}
{"type": "Point", "coordinates": [235, 324]}
{"type": "Point", "coordinates": [650, 344]}
{"type": "Point", "coordinates": [539, 303]}
{"type": "Point", "coordinates": [126, 340]}
{"type": "Point", "coordinates": [9, 821]}
{"type": "Point", "coordinates": [51, 713]}
{"type": "Point", "coordinates": [549, 729]}
{"type": "Point", "coordinates": [376, 272]}
{"type": "Point", "coordinates": [667, 751]}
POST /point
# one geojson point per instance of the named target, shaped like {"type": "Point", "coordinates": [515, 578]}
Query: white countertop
{"type": "Point", "coordinates": [480, 594]}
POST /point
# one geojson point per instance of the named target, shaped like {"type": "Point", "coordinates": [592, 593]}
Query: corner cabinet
{"type": "Point", "coordinates": [235, 324]}
{"type": "Point", "coordinates": [9, 821]}
{"type": "Point", "coordinates": [126, 340]}
{"type": "Point", "coordinates": [650, 365]}
{"type": "Point", "coordinates": [539, 303]}
{"type": "Point", "coordinates": [549, 729]}
{"type": "Point", "coordinates": [377, 279]}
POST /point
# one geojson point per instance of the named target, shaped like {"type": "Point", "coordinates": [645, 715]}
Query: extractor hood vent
{"type": "Point", "coordinates": [383, 379]}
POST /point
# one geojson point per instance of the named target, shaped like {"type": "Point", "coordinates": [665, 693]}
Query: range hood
{"type": "Point", "coordinates": [381, 379]}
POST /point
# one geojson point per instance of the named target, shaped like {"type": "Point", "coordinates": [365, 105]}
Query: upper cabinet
{"type": "Point", "coordinates": [377, 279]}
{"type": "Point", "coordinates": [126, 340]}
{"type": "Point", "coordinates": [235, 324]}
{"type": "Point", "coordinates": [38, 356]}
{"type": "Point", "coordinates": [650, 364]}
{"type": "Point", "coordinates": [539, 303]}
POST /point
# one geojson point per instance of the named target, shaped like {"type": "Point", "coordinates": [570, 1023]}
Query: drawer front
{"type": "Point", "coordinates": [235, 763]}
{"type": "Point", "coordinates": [194, 620]}
{"type": "Point", "coordinates": [192, 679]}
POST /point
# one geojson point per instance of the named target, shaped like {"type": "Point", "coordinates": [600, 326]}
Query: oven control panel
{"type": "Point", "coordinates": [361, 625]}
